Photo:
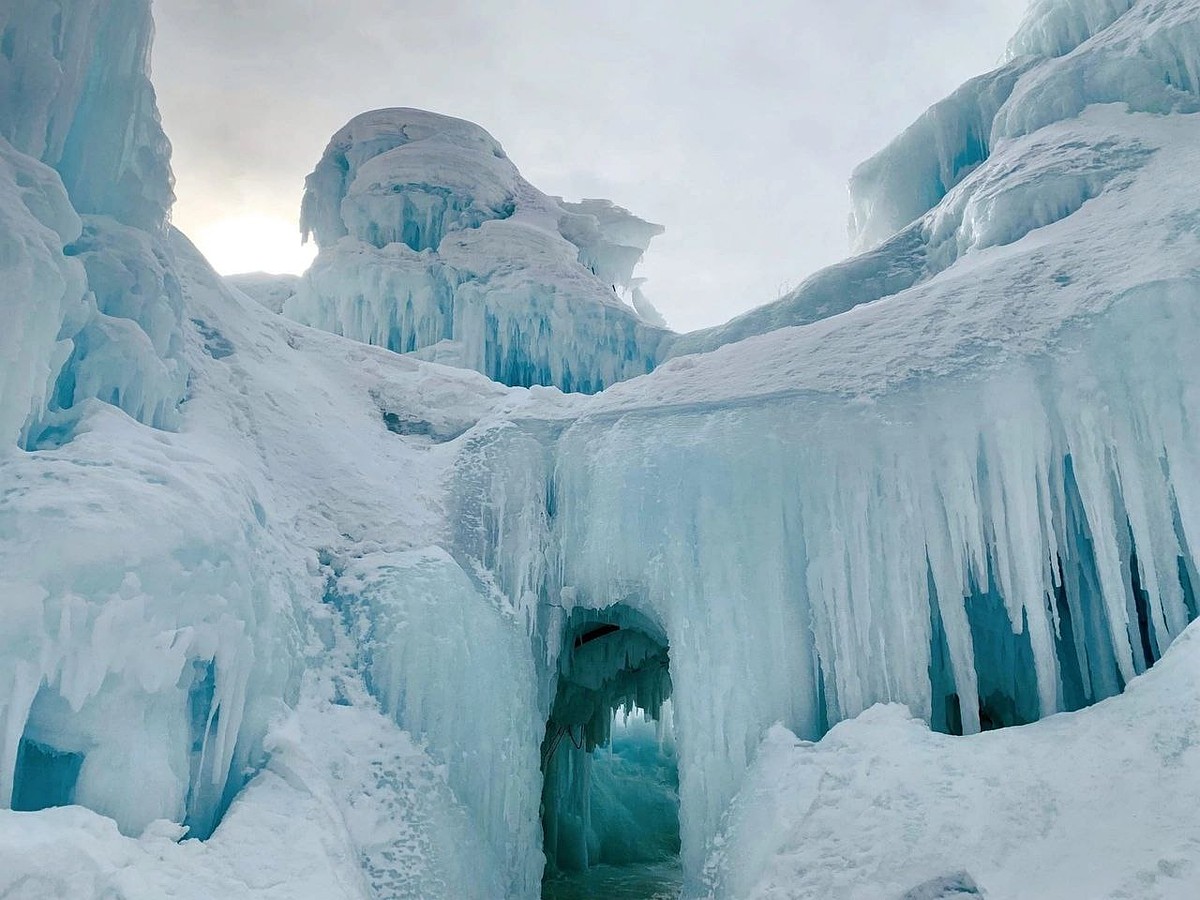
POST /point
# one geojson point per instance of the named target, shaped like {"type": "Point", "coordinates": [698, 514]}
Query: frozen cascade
{"type": "Point", "coordinates": [431, 242]}
{"type": "Point", "coordinates": [1040, 562]}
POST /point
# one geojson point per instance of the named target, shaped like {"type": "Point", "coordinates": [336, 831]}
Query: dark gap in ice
{"type": "Point", "coordinates": [1004, 665]}
{"type": "Point", "coordinates": [1141, 601]}
{"type": "Point", "coordinates": [206, 802]}
{"type": "Point", "coordinates": [945, 710]}
{"type": "Point", "coordinates": [1189, 591]}
{"type": "Point", "coordinates": [45, 776]}
{"type": "Point", "coordinates": [1074, 695]}
{"type": "Point", "coordinates": [823, 723]}
{"type": "Point", "coordinates": [1095, 651]}
{"type": "Point", "coordinates": [610, 798]}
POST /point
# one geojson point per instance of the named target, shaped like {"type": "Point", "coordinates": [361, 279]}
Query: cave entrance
{"type": "Point", "coordinates": [610, 794]}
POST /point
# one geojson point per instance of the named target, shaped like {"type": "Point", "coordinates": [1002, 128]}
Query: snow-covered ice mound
{"type": "Point", "coordinates": [1099, 803]}
{"type": "Point", "coordinates": [431, 242]}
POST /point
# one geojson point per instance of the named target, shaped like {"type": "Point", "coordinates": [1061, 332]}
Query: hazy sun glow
{"type": "Point", "coordinates": [254, 243]}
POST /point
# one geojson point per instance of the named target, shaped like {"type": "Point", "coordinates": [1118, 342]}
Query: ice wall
{"type": "Point", "coordinates": [431, 242]}
{"type": "Point", "coordinates": [41, 286]}
{"type": "Point", "coordinates": [454, 671]}
{"type": "Point", "coordinates": [75, 93]}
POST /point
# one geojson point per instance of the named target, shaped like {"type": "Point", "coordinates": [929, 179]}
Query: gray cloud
{"type": "Point", "coordinates": [735, 125]}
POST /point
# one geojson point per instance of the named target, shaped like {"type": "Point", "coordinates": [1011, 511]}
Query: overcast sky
{"type": "Point", "coordinates": [735, 125]}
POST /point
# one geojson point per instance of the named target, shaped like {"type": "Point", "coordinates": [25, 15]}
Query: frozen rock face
{"type": "Point", "coordinates": [429, 237]}
{"type": "Point", "coordinates": [75, 93]}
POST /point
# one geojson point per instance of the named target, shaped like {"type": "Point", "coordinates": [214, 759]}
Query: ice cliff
{"type": "Point", "coordinates": [291, 615]}
{"type": "Point", "coordinates": [431, 242]}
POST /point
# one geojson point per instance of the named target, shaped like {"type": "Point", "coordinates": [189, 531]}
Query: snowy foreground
{"type": "Point", "coordinates": [330, 586]}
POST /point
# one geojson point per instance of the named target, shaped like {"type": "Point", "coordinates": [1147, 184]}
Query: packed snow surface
{"type": "Point", "coordinates": [288, 614]}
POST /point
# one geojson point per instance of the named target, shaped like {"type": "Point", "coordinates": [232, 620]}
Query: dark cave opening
{"type": "Point", "coordinates": [610, 796]}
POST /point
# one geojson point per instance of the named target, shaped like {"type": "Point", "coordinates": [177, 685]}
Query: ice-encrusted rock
{"type": "Point", "coordinates": [428, 234]}
{"type": "Point", "coordinates": [76, 96]}
{"type": "Point", "coordinates": [129, 350]}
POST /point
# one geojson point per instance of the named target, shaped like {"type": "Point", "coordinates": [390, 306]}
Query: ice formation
{"type": "Point", "coordinates": [75, 94]}
{"type": "Point", "coordinates": [431, 242]}
{"type": "Point", "coordinates": [338, 621]}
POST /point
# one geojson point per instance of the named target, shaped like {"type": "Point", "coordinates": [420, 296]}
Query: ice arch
{"type": "Point", "coordinates": [613, 678]}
